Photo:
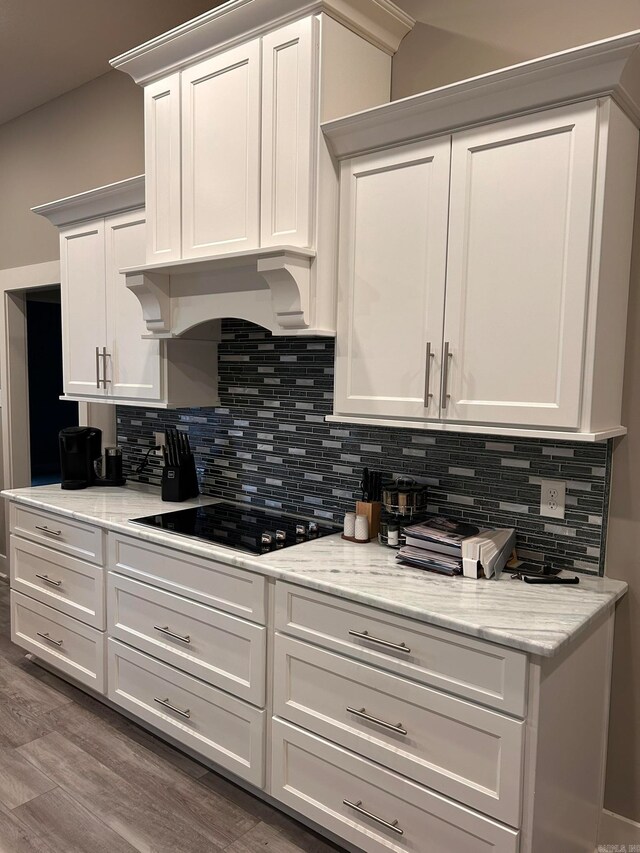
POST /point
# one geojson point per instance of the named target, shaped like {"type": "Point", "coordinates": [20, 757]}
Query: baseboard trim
{"type": "Point", "coordinates": [617, 833]}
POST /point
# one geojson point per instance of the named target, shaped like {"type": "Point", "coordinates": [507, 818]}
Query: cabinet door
{"type": "Point", "coordinates": [391, 281]}
{"type": "Point", "coordinates": [221, 153]}
{"type": "Point", "coordinates": [289, 114]}
{"type": "Point", "coordinates": [133, 366]}
{"type": "Point", "coordinates": [518, 265]}
{"type": "Point", "coordinates": [83, 307]}
{"type": "Point", "coordinates": [162, 167]}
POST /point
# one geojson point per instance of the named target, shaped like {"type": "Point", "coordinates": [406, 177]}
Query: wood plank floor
{"type": "Point", "coordinates": [76, 777]}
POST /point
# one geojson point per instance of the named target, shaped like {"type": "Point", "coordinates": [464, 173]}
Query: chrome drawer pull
{"type": "Point", "coordinates": [49, 639]}
{"type": "Point", "coordinates": [167, 704]}
{"type": "Point", "coordinates": [49, 580]}
{"type": "Point", "coordinates": [362, 713]}
{"type": "Point", "coordinates": [165, 630]}
{"type": "Point", "coordinates": [365, 635]}
{"type": "Point", "coordinates": [357, 808]}
{"type": "Point", "coordinates": [49, 531]}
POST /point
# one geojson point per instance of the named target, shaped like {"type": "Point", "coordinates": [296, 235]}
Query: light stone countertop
{"type": "Point", "coordinates": [537, 619]}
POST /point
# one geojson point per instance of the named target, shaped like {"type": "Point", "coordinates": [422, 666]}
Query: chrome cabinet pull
{"type": "Point", "coordinates": [357, 807]}
{"type": "Point", "coordinates": [49, 639]}
{"type": "Point", "coordinates": [427, 375]}
{"type": "Point", "coordinates": [47, 579]}
{"type": "Point", "coordinates": [97, 367]}
{"type": "Point", "coordinates": [104, 355]}
{"type": "Point", "coordinates": [167, 704]}
{"type": "Point", "coordinates": [49, 531]}
{"type": "Point", "coordinates": [365, 635]}
{"type": "Point", "coordinates": [446, 358]}
{"type": "Point", "coordinates": [363, 714]}
{"type": "Point", "coordinates": [164, 629]}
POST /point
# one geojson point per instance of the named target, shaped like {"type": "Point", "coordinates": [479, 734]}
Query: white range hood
{"type": "Point", "coordinates": [241, 189]}
{"type": "Point", "coordinates": [270, 287]}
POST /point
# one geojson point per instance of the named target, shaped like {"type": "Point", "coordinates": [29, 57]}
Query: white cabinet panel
{"type": "Point", "coordinates": [289, 113]}
{"type": "Point", "coordinates": [518, 266]}
{"type": "Point", "coordinates": [58, 532]}
{"type": "Point", "coordinates": [459, 749]}
{"type": "Point", "coordinates": [64, 583]}
{"type": "Point", "coordinates": [386, 812]}
{"type": "Point", "coordinates": [83, 306]}
{"type": "Point", "coordinates": [134, 365]}
{"type": "Point", "coordinates": [221, 153]}
{"type": "Point", "coordinates": [391, 281]}
{"type": "Point", "coordinates": [212, 723]}
{"type": "Point", "coordinates": [69, 645]}
{"type": "Point", "coordinates": [162, 167]}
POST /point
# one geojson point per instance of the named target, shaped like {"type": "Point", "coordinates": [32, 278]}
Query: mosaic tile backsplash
{"type": "Point", "coordinates": [269, 444]}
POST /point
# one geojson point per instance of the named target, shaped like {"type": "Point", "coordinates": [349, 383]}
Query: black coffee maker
{"type": "Point", "coordinates": [79, 448]}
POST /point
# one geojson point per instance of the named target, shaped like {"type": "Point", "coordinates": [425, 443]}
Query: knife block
{"type": "Point", "coordinates": [372, 510]}
{"type": "Point", "coordinates": [180, 482]}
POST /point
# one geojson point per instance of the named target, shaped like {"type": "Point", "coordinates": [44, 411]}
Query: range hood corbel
{"type": "Point", "coordinates": [270, 287]}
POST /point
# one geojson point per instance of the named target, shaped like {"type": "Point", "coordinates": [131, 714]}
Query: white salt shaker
{"type": "Point", "coordinates": [362, 528]}
{"type": "Point", "coordinates": [350, 524]}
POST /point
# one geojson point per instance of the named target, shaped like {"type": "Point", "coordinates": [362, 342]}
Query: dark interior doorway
{"type": "Point", "coordinates": [47, 413]}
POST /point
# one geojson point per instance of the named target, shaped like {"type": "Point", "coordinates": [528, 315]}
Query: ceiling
{"type": "Point", "coordinates": [48, 47]}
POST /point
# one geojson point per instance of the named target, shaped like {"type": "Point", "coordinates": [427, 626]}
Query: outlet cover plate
{"type": "Point", "coordinates": [552, 498]}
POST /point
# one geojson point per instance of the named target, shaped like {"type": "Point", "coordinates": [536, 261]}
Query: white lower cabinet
{"type": "Point", "coordinates": [391, 734]}
{"type": "Point", "coordinates": [66, 643]}
{"type": "Point", "coordinates": [208, 721]}
{"type": "Point", "coordinates": [371, 807]}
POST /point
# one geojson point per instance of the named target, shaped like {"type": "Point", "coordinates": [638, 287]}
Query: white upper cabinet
{"type": "Point", "coordinates": [221, 153]}
{"type": "Point", "coordinates": [233, 105]}
{"type": "Point", "coordinates": [394, 211]}
{"type": "Point", "coordinates": [84, 325]}
{"type": "Point", "coordinates": [488, 292]}
{"type": "Point", "coordinates": [518, 269]}
{"type": "Point", "coordinates": [105, 357]}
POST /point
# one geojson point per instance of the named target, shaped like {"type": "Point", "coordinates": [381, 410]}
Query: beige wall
{"type": "Point", "coordinates": [459, 39]}
{"type": "Point", "coordinates": [83, 139]}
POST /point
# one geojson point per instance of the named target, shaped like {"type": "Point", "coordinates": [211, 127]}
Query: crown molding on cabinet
{"type": "Point", "coordinates": [271, 287]}
{"type": "Point", "coordinates": [112, 198]}
{"type": "Point", "coordinates": [380, 22]}
{"type": "Point", "coordinates": [610, 67]}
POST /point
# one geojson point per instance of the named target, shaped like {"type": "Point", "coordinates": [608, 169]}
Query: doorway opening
{"type": "Point", "coordinates": [47, 413]}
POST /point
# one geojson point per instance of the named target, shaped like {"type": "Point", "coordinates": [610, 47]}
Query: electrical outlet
{"type": "Point", "coordinates": [159, 438]}
{"type": "Point", "coordinates": [552, 498]}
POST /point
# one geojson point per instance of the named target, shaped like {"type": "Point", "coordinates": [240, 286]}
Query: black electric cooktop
{"type": "Point", "coordinates": [249, 529]}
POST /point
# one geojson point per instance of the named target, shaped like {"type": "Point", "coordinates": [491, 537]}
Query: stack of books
{"type": "Point", "coordinates": [452, 547]}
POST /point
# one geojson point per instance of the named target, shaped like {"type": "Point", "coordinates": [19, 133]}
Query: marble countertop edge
{"type": "Point", "coordinates": [489, 610]}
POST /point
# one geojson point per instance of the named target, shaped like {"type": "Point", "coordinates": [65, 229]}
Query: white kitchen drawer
{"type": "Point", "coordinates": [216, 647]}
{"type": "Point", "coordinates": [467, 752]}
{"type": "Point", "coordinates": [212, 723]}
{"type": "Point", "coordinates": [236, 591]}
{"type": "Point", "coordinates": [60, 532]}
{"type": "Point", "coordinates": [64, 583]}
{"type": "Point", "coordinates": [71, 646]}
{"type": "Point", "coordinates": [314, 777]}
{"type": "Point", "coordinates": [484, 672]}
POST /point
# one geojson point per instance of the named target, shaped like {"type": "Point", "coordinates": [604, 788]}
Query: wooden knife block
{"type": "Point", "coordinates": [372, 510]}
